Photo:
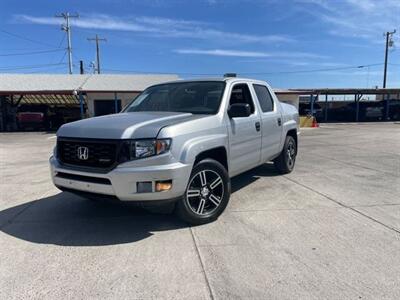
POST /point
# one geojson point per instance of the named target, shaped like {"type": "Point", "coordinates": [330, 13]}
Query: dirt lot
{"type": "Point", "coordinates": [331, 229]}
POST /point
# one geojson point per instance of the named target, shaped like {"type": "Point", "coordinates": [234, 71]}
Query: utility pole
{"type": "Point", "coordinates": [97, 39]}
{"type": "Point", "coordinates": [67, 28]}
{"type": "Point", "coordinates": [389, 43]}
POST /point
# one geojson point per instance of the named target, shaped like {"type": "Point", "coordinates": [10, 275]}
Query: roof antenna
{"type": "Point", "coordinates": [229, 75]}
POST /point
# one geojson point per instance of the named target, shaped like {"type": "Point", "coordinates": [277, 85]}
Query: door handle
{"type": "Point", "coordinates": [279, 121]}
{"type": "Point", "coordinates": [258, 126]}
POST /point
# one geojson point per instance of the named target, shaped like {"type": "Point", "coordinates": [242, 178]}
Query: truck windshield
{"type": "Point", "coordinates": [197, 97]}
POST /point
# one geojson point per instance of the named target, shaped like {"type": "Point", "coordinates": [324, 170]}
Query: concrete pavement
{"type": "Point", "coordinates": [330, 229]}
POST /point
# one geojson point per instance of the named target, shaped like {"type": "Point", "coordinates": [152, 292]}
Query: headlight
{"type": "Point", "coordinates": [144, 148]}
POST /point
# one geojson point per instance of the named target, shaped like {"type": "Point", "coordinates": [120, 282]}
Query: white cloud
{"type": "Point", "coordinates": [254, 54]}
{"type": "Point", "coordinates": [220, 52]}
{"type": "Point", "coordinates": [91, 22]}
{"type": "Point", "coordinates": [364, 5]}
{"type": "Point", "coordinates": [176, 23]}
{"type": "Point", "coordinates": [366, 19]}
{"type": "Point", "coordinates": [314, 64]}
{"type": "Point", "coordinates": [159, 27]}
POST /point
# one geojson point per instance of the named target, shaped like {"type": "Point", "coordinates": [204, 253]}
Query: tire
{"type": "Point", "coordinates": [285, 162]}
{"type": "Point", "coordinates": [206, 195]}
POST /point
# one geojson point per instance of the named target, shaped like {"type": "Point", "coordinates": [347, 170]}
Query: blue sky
{"type": "Point", "coordinates": [290, 43]}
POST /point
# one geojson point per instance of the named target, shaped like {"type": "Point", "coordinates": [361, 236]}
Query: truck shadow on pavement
{"type": "Point", "coordinates": [247, 178]}
{"type": "Point", "coordinates": [68, 220]}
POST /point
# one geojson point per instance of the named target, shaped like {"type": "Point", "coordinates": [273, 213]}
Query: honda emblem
{"type": "Point", "coordinates": [83, 153]}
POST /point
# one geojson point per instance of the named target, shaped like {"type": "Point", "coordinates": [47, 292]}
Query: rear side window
{"type": "Point", "coordinates": [264, 97]}
{"type": "Point", "coordinates": [241, 94]}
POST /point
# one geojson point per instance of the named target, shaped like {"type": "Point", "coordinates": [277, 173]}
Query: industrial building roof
{"type": "Point", "coordinates": [339, 91]}
{"type": "Point", "coordinates": [67, 84]}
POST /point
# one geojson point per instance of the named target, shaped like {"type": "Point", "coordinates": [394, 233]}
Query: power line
{"type": "Point", "coordinates": [253, 73]}
{"type": "Point", "coordinates": [32, 52]}
{"type": "Point", "coordinates": [62, 58]}
{"type": "Point", "coordinates": [313, 70]}
{"type": "Point", "coordinates": [25, 38]}
{"type": "Point", "coordinates": [60, 44]}
{"type": "Point", "coordinates": [52, 68]}
{"type": "Point", "coordinates": [11, 68]}
{"type": "Point", "coordinates": [61, 41]}
{"type": "Point", "coordinates": [157, 72]}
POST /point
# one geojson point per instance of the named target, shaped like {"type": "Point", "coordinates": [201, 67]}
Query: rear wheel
{"type": "Point", "coordinates": [207, 193]}
{"type": "Point", "coordinates": [285, 162]}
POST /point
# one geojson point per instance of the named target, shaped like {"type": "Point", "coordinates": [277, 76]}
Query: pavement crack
{"type": "Point", "coordinates": [353, 164]}
{"type": "Point", "coordinates": [344, 205]}
{"type": "Point", "coordinates": [202, 264]}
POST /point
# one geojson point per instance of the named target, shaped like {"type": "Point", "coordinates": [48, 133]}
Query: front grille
{"type": "Point", "coordinates": [100, 154]}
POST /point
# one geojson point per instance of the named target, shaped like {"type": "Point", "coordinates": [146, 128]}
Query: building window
{"type": "Point", "coordinates": [106, 107]}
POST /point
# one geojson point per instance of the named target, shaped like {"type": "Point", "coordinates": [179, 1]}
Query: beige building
{"type": "Point", "coordinates": [70, 97]}
{"type": "Point", "coordinates": [67, 98]}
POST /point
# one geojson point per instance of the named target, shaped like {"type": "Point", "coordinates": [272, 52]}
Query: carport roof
{"type": "Point", "coordinates": [67, 84]}
{"type": "Point", "coordinates": [339, 91]}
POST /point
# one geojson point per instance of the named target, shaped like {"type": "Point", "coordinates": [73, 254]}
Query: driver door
{"type": "Point", "coordinates": [244, 133]}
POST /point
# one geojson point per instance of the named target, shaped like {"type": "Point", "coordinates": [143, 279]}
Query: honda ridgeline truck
{"type": "Point", "coordinates": [178, 142]}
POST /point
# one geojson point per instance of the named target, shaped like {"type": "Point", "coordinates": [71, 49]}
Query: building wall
{"type": "Point", "coordinates": [125, 98]}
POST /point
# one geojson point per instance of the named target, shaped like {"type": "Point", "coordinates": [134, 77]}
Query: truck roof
{"type": "Point", "coordinates": [222, 79]}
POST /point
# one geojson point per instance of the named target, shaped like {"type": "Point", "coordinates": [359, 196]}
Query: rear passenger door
{"type": "Point", "coordinates": [271, 122]}
{"type": "Point", "coordinates": [244, 133]}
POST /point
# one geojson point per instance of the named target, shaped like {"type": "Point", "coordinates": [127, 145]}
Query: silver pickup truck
{"type": "Point", "coordinates": [178, 142]}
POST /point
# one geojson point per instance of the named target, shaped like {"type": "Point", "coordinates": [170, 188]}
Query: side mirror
{"type": "Point", "coordinates": [239, 110]}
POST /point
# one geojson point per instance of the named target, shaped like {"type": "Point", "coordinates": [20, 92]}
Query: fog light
{"type": "Point", "coordinates": [162, 186]}
{"type": "Point", "coordinates": [144, 187]}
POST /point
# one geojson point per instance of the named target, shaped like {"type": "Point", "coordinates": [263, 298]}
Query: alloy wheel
{"type": "Point", "coordinates": [291, 154]}
{"type": "Point", "coordinates": [205, 192]}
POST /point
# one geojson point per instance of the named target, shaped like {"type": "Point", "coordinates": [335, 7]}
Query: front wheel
{"type": "Point", "coordinates": [284, 163]}
{"type": "Point", "coordinates": [207, 193]}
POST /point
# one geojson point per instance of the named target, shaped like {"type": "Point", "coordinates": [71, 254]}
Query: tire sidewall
{"type": "Point", "coordinates": [290, 139]}
{"type": "Point", "coordinates": [183, 206]}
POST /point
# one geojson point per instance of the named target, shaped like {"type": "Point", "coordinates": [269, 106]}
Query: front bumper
{"type": "Point", "coordinates": [123, 180]}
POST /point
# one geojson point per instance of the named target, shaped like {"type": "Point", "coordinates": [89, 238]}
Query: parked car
{"type": "Point", "coordinates": [31, 120]}
{"type": "Point", "coordinates": [305, 110]}
{"type": "Point", "coordinates": [373, 111]}
{"type": "Point", "coordinates": [178, 142]}
{"type": "Point", "coordinates": [394, 110]}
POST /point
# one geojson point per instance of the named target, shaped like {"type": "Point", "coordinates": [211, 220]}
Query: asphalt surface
{"type": "Point", "coordinates": [330, 229]}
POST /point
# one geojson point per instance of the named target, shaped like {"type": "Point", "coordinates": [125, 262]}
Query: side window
{"type": "Point", "coordinates": [264, 97]}
{"type": "Point", "coordinates": [241, 94]}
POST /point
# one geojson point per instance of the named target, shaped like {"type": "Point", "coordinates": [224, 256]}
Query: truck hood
{"type": "Point", "coordinates": [123, 125]}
